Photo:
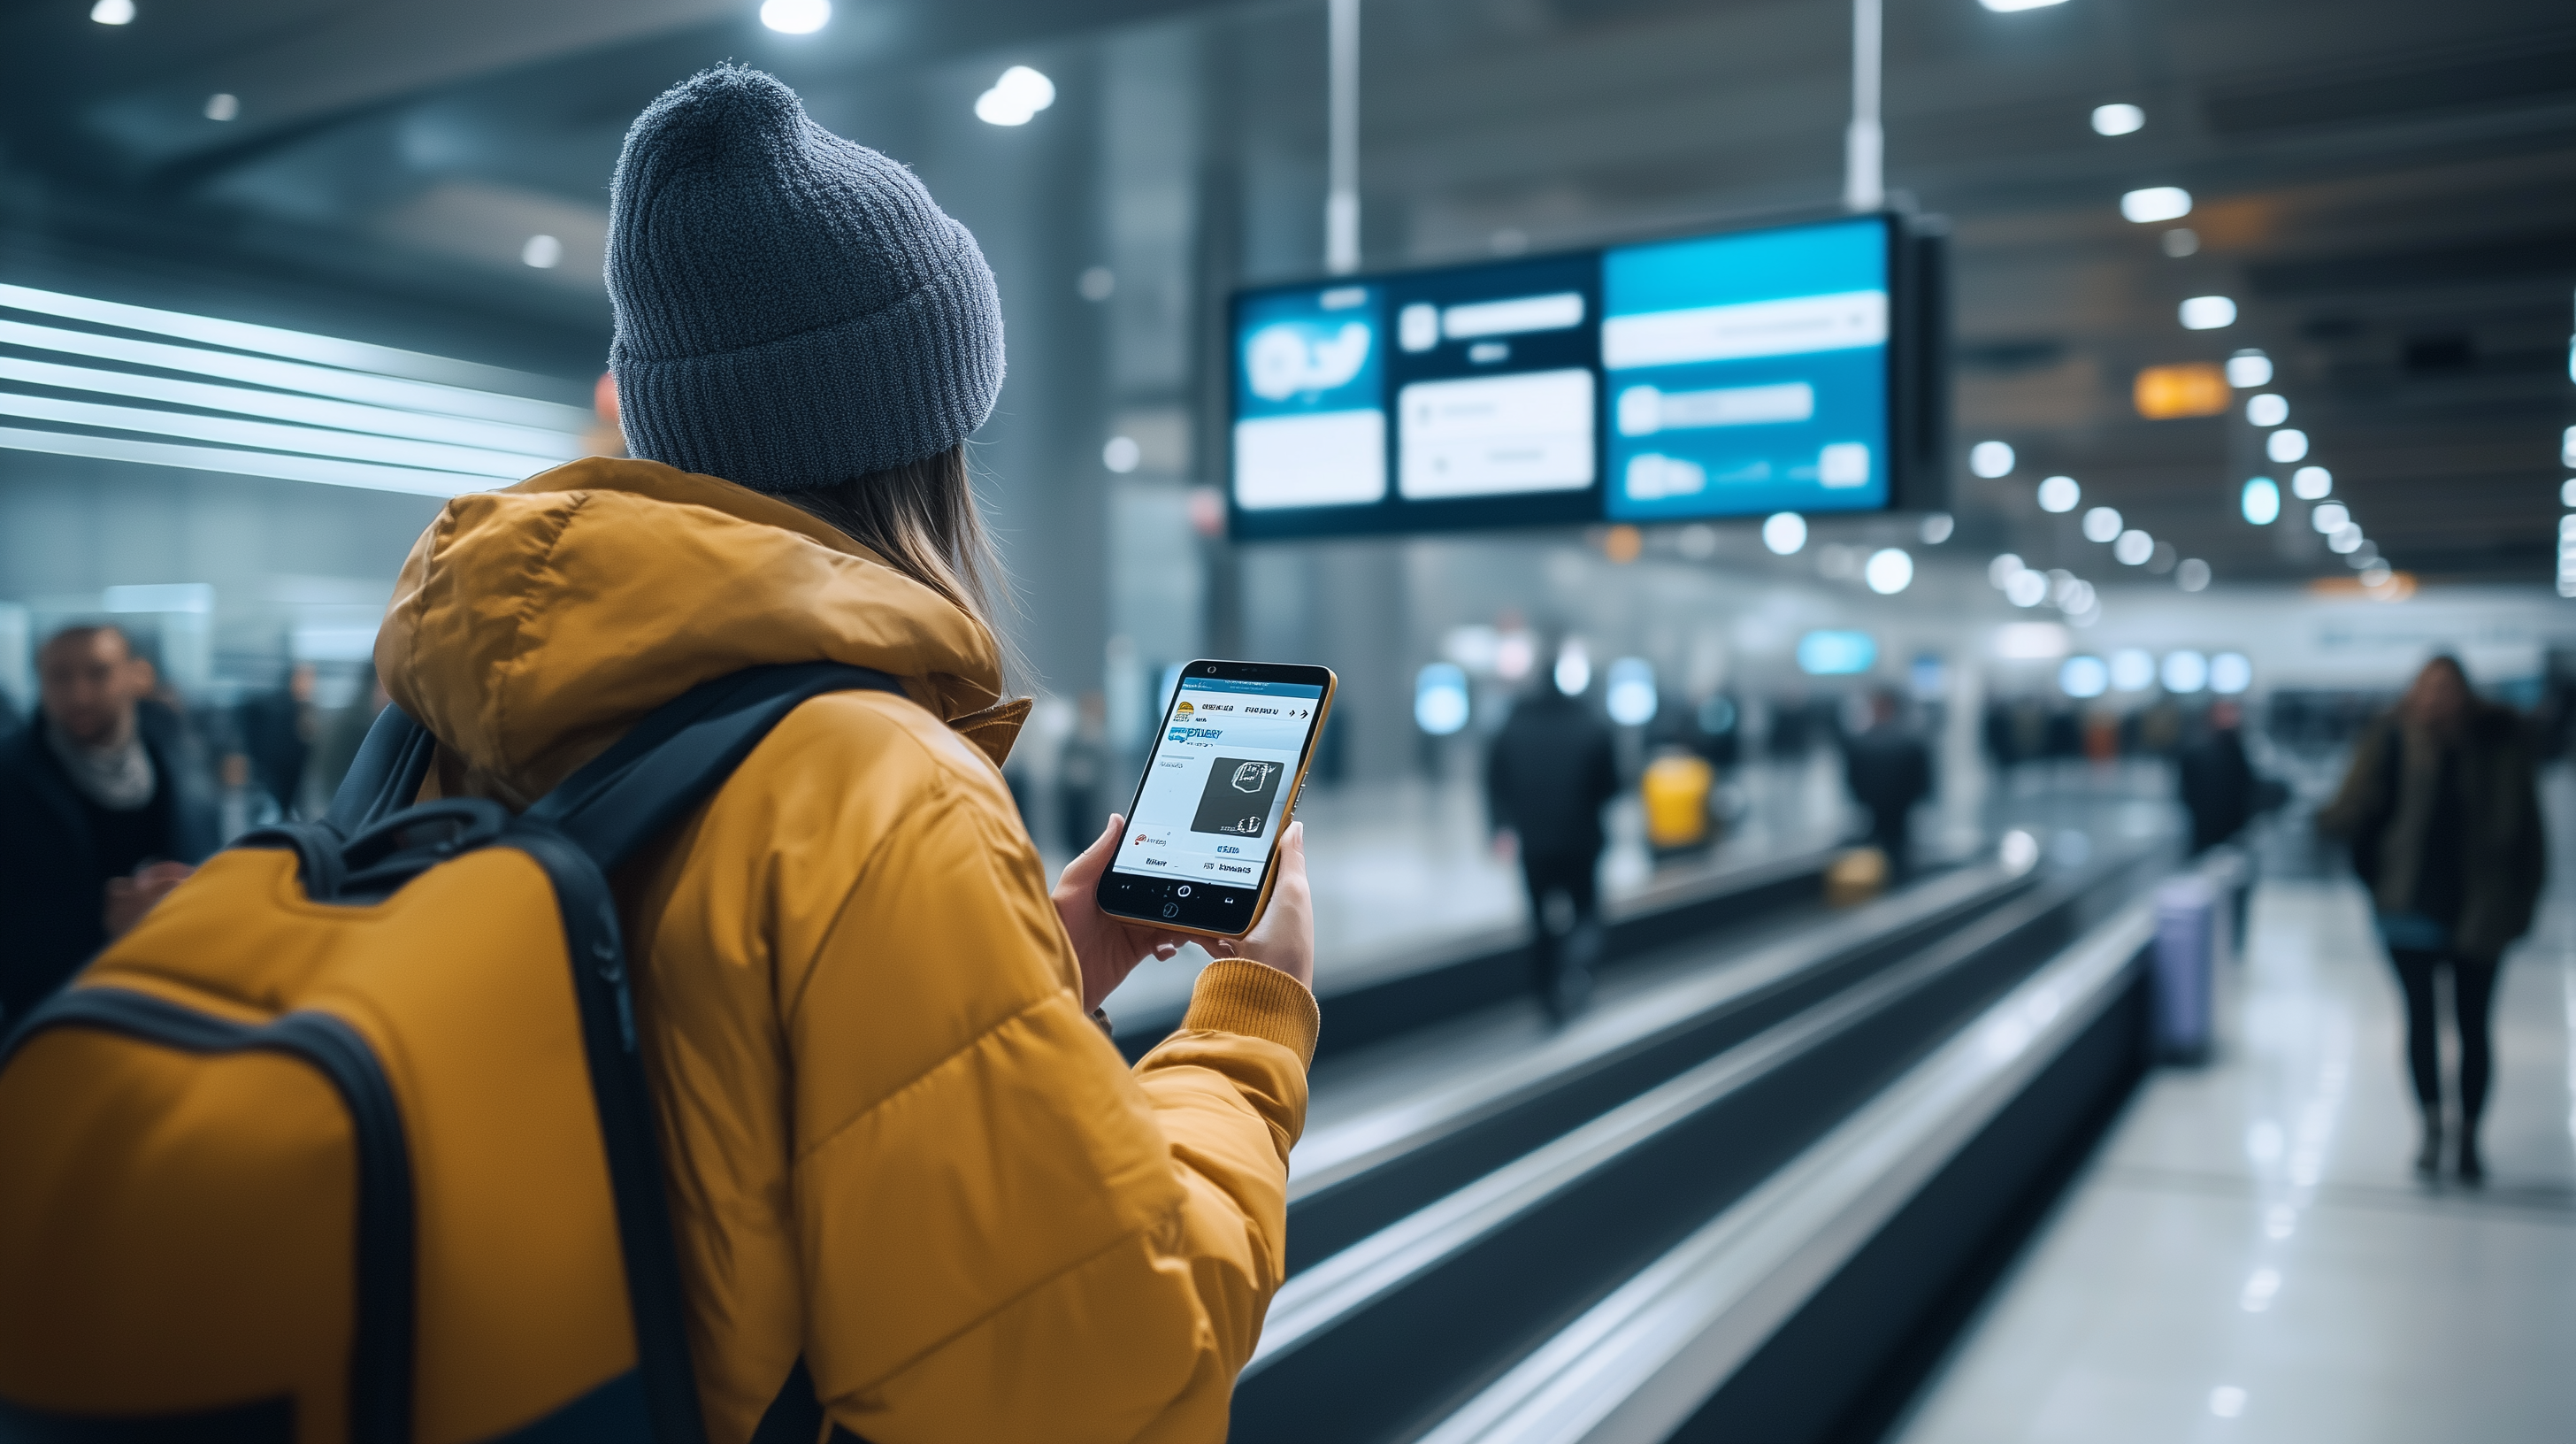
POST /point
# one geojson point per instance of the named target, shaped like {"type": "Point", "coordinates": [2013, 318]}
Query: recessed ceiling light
{"type": "Point", "coordinates": [2156, 203]}
{"type": "Point", "coordinates": [1991, 459]}
{"type": "Point", "coordinates": [2312, 483]}
{"type": "Point", "coordinates": [543, 252]}
{"type": "Point", "coordinates": [223, 106]}
{"type": "Point", "coordinates": [2267, 409]}
{"type": "Point", "coordinates": [2249, 368]}
{"type": "Point", "coordinates": [2059, 494]}
{"type": "Point", "coordinates": [113, 12]}
{"type": "Point", "coordinates": [796, 17]}
{"type": "Point", "coordinates": [1018, 95]}
{"type": "Point", "coordinates": [2117, 119]}
{"type": "Point", "coordinates": [2286, 444]}
{"type": "Point", "coordinates": [2208, 313]}
{"type": "Point", "coordinates": [2101, 524]}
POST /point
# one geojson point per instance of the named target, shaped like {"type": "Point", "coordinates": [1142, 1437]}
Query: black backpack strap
{"type": "Point", "coordinates": [666, 765]}
{"type": "Point", "coordinates": [385, 776]}
{"type": "Point", "coordinates": [675, 758]}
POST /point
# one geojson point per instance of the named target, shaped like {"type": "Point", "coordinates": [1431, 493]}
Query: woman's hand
{"type": "Point", "coordinates": [1109, 948]}
{"type": "Point", "coordinates": [1286, 937]}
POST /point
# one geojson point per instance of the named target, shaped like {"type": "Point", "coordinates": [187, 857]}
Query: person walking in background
{"type": "Point", "coordinates": [102, 818]}
{"type": "Point", "coordinates": [1889, 771]}
{"type": "Point", "coordinates": [1547, 777]}
{"type": "Point", "coordinates": [1082, 771]}
{"type": "Point", "coordinates": [277, 731]}
{"type": "Point", "coordinates": [2215, 781]}
{"type": "Point", "coordinates": [2443, 811]}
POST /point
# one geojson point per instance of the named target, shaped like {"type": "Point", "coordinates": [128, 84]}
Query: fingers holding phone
{"type": "Point", "coordinates": [1285, 937]}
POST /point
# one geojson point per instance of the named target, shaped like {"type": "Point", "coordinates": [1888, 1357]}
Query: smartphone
{"type": "Point", "coordinates": [1201, 849]}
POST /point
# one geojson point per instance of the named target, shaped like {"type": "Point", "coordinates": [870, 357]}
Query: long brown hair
{"type": "Point", "coordinates": [921, 518]}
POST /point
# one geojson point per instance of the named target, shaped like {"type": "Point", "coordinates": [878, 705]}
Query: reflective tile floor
{"type": "Point", "coordinates": [2250, 1257]}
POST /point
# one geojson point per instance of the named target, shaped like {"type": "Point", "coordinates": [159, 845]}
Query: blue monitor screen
{"type": "Point", "coordinates": [1747, 374]}
{"type": "Point", "coordinates": [1717, 376]}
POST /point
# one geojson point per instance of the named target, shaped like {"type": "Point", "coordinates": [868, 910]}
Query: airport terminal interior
{"type": "Point", "coordinates": [1943, 809]}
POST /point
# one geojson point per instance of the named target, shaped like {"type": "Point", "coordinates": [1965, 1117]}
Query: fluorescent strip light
{"type": "Point", "coordinates": [307, 410]}
{"type": "Point", "coordinates": [294, 376]}
{"type": "Point", "coordinates": [272, 341]}
{"type": "Point", "coordinates": [242, 463]}
{"type": "Point", "coordinates": [312, 441]}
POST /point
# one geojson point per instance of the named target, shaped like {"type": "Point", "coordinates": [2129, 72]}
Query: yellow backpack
{"type": "Point", "coordinates": [350, 1139]}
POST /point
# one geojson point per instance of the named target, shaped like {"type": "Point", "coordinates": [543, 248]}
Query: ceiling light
{"type": "Point", "coordinates": [2026, 589]}
{"type": "Point", "coordinates": [113, 12]}
{"type": "Point", "coordinates": [1991, 459]}
{"type": "Point", "coordinates": [1784, 532]}
{"type": "Point", "coordinates": [2185, 672]}
{"type": "Point", "coordinates": [2230, 673]}
{"type": "Point", "coordinates": [2261, 502]}
{"type": "Point", "coordinates": [2132, 670]}
{"type": "Point", "coordinates": [2006, 7]}
{"type": "Point", "coordinates": [2179, 242]}
{"type": "Point", "coordinates": [2208, 313]}
{"type": "Point", "coordinates": [543, 252]}
{"type": "Point", "coordinates": [796, 17]}
{"type": "Point", "coordinates": [2267, 409]}
{"type": "Point", "coordinates": [2101, 524]}
{"type": "Point", "coordinates": [2133, 548]}
{"type": "Point", "coordinates": [2059, 494]}
{"type": "Point", "coordinates": [2327, 518]}
{"type": "Point", "coordinates": [2192, 575]}
{"type": "Point", "coordinates": [1937, 528]}
{"type": "Point", "coordinates": [2156, 203]}
{"type": "Point", "coordinates": [2162, 561]}
{"type": "Point", "coordinates": [2083, 677]}
{"type": "Point", "coordinates": [1890, 570]}
{"type": "Point", "coordinates": [2287, 444]}
{"type": "Point", "coordinates": [1121, 454]}
{"type": "Point", "coordinates": [1019, 94]}
{"type": "Point", "coordinates": [2345, 541]}
{"type": "Point", "coordinates": [2376, 575]}
{"type": "Point", "coordinates": [223, 106]}
{"type": "Point", "coordinates": [2567, 448]}
{"type": "Point", "coordinates": [2248, 369]}
{"type": "Point", "coordinates": [2312, 483]}
{"type": "Point", "coordinates": [2004, 568]}
{"type": "Point", "coordinates": [2117, 119]}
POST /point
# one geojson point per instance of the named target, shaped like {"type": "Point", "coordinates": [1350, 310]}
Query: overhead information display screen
{"type": "Point", "coordinates": [1718, 376]}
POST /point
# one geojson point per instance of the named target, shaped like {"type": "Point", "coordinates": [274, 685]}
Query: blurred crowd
{"type": "Point", "coordinates": [118, 786]}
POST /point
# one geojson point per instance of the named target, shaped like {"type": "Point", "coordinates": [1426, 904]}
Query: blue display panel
{"type": "Point", "coordinates": [1748, 374]}
{"type": "Point", "coordinates": [1711, 377]}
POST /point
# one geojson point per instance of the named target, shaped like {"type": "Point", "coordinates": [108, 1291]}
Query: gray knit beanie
{"type": "Point", "coordinates": [792, 309]}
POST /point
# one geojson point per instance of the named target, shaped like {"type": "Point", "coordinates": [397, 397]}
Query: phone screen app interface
{"type": "Point", "coordinates": [1215, 791]}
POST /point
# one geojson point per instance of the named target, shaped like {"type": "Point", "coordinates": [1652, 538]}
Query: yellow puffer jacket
{"type": "Point", "coordinates": [897, 1147]}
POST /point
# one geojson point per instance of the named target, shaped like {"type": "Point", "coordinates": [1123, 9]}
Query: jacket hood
{"type": "Point", "coordinates": [533, 625]}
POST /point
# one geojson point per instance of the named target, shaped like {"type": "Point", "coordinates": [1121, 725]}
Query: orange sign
{"type": "Point", "coordinates": [2190, 388]}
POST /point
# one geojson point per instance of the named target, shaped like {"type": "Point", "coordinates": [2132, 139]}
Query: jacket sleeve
{"type": "Point", "coordinates": [1004, 1232]}
{"type": "Point", "coordinates": [2358, 799]}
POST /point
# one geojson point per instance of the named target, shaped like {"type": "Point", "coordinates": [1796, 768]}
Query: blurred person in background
{"type": "Point", "coordinates": [277, 732]}
{"type": "Point", "coordinates": [1082, 771]}
{"type": "Point", "coordinates": [2215, 781]}
{"type": "Point", "coordinates": [1888, 768]}
{"type": "Point", "coordinates": [336, 743]}
{"type": "Point", "coordinates": [1549, 773]}
{"type": "Point", "coordinates": [2443, 812]}
{"type": "Point", "coordinates": [102, 818]}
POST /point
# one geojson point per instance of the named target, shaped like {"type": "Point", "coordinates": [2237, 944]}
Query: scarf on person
{"type": "Point", "coordinates": [117, 777]}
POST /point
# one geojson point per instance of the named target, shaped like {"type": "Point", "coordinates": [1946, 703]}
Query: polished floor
{"type": "Point", "coordinates": [2249, 1255]}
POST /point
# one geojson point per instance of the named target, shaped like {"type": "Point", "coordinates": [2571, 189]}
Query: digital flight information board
{"type": "Point", "coordinates": [1792, 369]}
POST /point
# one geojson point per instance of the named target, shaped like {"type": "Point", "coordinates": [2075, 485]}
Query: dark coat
{"type": "Point", "coordinates": [52, 912]}
{"type": "Point", "coordinates": [2217, 786]}
{"type": "Point", "coordinates": [1550, 771]}
{"type": "Point", "coordinates": [2504, 856]}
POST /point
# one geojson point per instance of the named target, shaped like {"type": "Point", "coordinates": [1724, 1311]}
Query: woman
{"type": "Point", "coordinates": [2444, 817]}
{"type": "Point", "coordinates": [900, 1148]}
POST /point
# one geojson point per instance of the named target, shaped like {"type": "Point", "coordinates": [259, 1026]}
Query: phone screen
{"type": "Point", "coordinates": [1215, 796]}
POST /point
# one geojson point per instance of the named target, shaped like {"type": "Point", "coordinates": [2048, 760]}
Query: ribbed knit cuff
{"type": "Point", "coordinates": [1235, 995]}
